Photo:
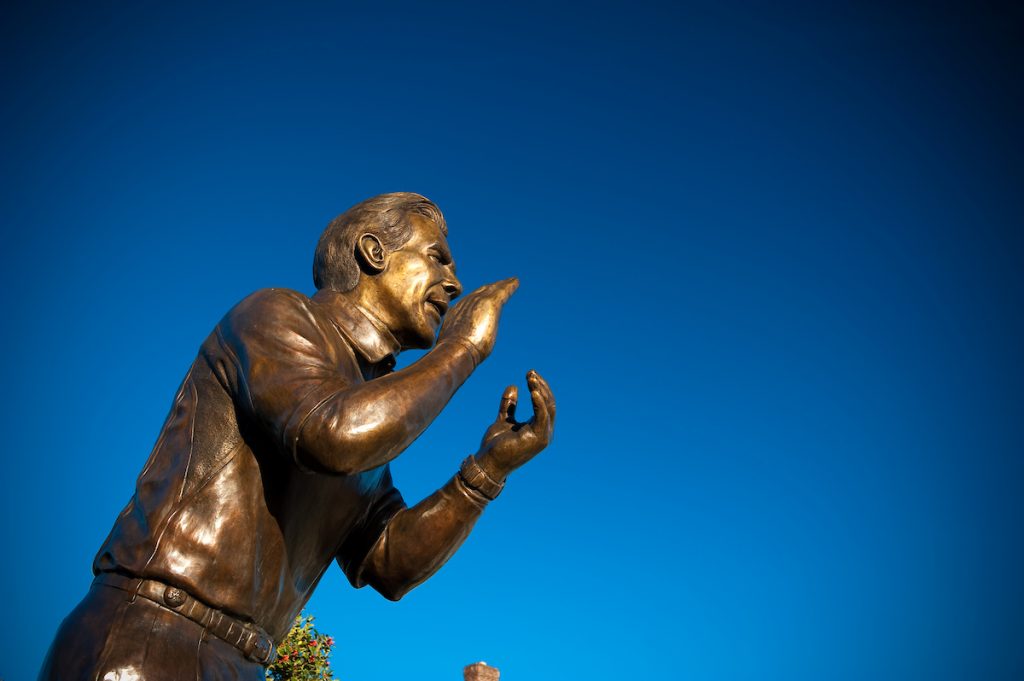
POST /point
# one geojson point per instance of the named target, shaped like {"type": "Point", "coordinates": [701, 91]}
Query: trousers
{"type": "Point", "coordinates": [111, 636]}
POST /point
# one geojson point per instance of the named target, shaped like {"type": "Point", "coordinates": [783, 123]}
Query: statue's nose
{"type": "Point", "coordinates": [453, 288]}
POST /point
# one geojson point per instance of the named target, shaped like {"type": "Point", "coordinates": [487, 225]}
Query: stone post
{"type": "Point", "coordinates": [479, 671]}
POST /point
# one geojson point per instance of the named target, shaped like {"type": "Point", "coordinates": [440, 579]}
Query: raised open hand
{"type": "Point", "coordinates": [508, 444]}
{"type": "Point", "coordinates": [474, 319]}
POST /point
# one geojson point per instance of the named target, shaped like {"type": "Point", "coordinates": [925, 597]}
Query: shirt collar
{"type": "Point", "coordinates": [367, 335]}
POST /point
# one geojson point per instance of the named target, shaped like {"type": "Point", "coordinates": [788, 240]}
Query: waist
{"type": "Point", "coordinates": [247, 637]}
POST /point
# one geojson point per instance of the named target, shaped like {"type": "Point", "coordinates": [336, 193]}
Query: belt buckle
{"type": "Point", "coordinates": [262, 649]}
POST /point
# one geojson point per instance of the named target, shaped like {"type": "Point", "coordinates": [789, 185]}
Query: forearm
{"type": "Point", "coordinates": [419, 540]}
{"type": "Point", "coordinates": [368, 425]}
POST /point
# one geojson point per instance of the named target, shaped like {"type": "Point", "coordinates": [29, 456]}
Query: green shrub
{"type": "Point", "coordinates": [303, 655]}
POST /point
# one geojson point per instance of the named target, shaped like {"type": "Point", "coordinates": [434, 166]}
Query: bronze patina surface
{"type": "Point", "coordinates": [274, 459]}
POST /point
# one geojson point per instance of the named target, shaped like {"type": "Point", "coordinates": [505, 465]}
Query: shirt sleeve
{"type": "Point", "coordinates": [416, 541]}
{"type": "Point", "coordinates": [286, 366]}
{"type": "Point", "coordinates": [356, 547]}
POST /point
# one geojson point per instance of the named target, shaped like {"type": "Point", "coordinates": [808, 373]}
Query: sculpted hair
{"type": "Point", "coordinates": [386, 216]}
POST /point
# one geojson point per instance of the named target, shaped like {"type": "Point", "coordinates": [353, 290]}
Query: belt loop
{"type": "Point", "coordinates": [135, 592]}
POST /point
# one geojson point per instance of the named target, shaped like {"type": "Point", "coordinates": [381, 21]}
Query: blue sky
{"type": "Point", "coordinates": [771, 261]}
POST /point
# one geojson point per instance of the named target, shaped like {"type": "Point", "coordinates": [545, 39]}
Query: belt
{"type": "Point", "coordinates": [254, 643]}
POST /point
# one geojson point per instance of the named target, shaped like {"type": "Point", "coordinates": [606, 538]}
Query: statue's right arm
{"type": "Point", "coordinates": [416, 541]}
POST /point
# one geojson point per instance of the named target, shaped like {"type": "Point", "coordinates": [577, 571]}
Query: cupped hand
{"type": "Point", "coordinates": [508, 444]}
{"type": "Point", "coordinates": [474, 319]}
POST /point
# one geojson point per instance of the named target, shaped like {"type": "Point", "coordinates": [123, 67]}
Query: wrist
{"type": "Point", "coordinates": [463, 345]}
{"type": "Point", "coordinates": [475, 476]}
{"type": "Point", "coordinates": [492, 469]}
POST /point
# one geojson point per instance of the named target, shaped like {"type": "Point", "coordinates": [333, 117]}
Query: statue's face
{"type": "Point", "coordinates": [417, 285]}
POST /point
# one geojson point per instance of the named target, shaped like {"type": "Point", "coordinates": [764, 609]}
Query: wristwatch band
{"type": "Point", "coordinates": [476, 477]}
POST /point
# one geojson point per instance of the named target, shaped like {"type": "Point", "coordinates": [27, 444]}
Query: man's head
{"type": "Point", "coordinates": [391, 251]}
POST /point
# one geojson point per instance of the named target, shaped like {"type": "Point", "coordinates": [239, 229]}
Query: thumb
{"type": "Point", "coordinates": [507, 406]}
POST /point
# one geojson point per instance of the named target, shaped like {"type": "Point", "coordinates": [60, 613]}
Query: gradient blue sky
{"type": "Point", "coordinates": [771, 260]}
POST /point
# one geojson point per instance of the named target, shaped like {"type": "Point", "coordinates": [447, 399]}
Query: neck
{"type": "Point", "coordinates": [367, 304]}
{"type": "Point", "coordinates": [366, 299]}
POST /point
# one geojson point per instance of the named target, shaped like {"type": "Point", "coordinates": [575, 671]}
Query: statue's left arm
{"type": "Point", "coordinates": [418, 540]}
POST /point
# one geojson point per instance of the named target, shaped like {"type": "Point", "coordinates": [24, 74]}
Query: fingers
{"type": "Point", "coordinates": [543, 404]}
{"type": "Point", "coordinates": [550, 401]}
{"type": "Point", "coordinates": [507, 407]}
{"type": "Point", "coordinates": [500, 289]}
{"type": "Point", "coordinates": [503, 290]}
{"type": "Point", "coordinates": [480, 292]}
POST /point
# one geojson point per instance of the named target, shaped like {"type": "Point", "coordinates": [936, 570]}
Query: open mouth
{"type": "Point", "coordinates": [439, 306]}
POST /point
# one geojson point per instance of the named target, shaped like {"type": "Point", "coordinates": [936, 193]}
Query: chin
{"type": "Point", "coordinates": [421, 338]}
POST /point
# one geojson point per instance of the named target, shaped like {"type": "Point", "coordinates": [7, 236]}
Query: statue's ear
{"type": "Point", "coordinates": [370, 252]}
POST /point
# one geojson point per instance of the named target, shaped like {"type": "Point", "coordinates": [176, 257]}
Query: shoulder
{"type": "Point", "coordinates": [270, 300]}
{"type": "Point", "coordinates": [276, 312]}
{"type": "Point", "coordinates": [269, 305]}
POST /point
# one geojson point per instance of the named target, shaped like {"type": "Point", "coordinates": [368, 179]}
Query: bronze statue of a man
{"type": "Point", "coordinates": [274, 459]}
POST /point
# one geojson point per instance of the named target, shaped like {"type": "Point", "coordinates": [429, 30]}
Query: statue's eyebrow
{"type": "Point", "coordinates": [442, 250]}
